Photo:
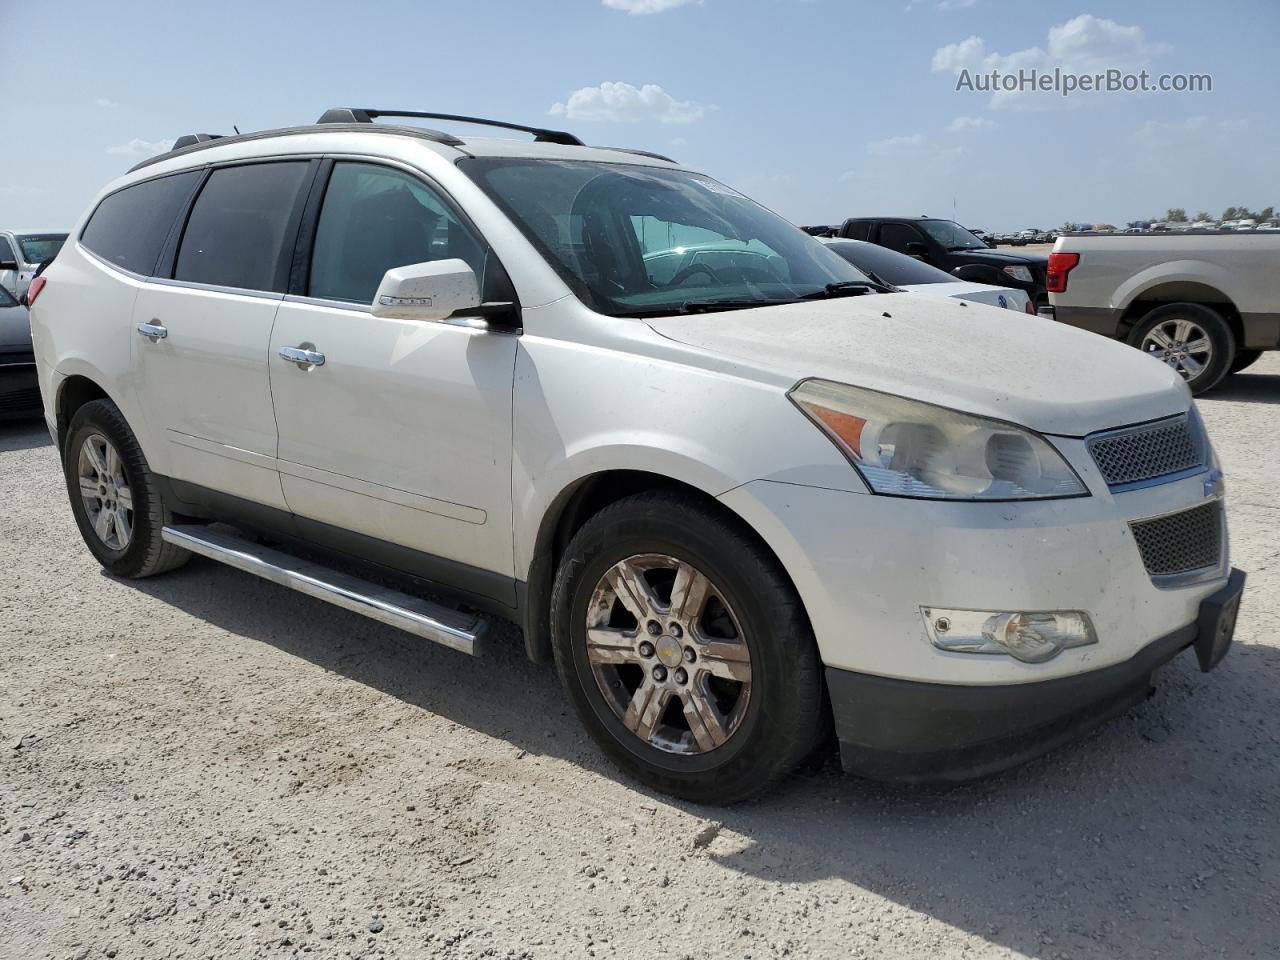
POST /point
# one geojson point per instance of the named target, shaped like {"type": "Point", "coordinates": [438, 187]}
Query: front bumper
{"type": "Point", "coordinates": [902, 731]}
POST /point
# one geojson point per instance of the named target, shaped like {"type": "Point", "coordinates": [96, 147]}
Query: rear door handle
{"type": "Point", "coordinates": [153, 331]}
{"type": "Point", "coordinates": [302, 357]}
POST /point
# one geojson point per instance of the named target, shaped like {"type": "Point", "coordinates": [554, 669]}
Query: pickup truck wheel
{"type": "Point", "coordinates": [114, 495]}
{"type": "Point", "coordinates": [1245, 358]}
{"type": "Point", "coordinates": [1192, 339]}
{"type": "Point", "coordinates": [685, 649]}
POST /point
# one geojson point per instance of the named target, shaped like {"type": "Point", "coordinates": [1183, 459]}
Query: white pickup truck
{"type": "Point", "coordinates": [1207, 304]}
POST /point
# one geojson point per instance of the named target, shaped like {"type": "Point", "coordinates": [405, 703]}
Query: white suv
{"type": "Point", "coordinates": [745, 502]}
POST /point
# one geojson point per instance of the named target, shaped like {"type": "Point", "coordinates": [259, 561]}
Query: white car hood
{"type": "Point", "coordinates": [1023, 369]}
{"type": "Point", "coordinates": [977, 292]}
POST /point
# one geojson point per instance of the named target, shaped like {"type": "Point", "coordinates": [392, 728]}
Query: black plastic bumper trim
{"type": "Point", "coordinates": [906, 731]}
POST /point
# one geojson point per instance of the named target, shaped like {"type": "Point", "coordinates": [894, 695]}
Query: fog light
{"type": "Point", "coordinates": [1032, 637]}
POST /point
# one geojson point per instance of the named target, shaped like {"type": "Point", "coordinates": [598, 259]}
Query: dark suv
{"type": "Point", "coordinates": [948, 246]}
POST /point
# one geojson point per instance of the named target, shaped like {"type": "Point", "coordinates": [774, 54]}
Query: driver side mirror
{"type": "Point", "coordinates": [917, 250]}
{"type": "Point", "coordinates": [435, 291]}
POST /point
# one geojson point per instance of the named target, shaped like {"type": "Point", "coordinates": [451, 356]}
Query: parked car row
{"type": "Point", "coordinates": [747, 495]}
{"type": "Point", "coordinates": [24, 254]}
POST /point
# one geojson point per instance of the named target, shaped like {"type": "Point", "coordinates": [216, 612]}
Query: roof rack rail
{"type": "Point", "coordinates": [367, 115]}
{"type": "Point", "coordinates": [188, 139]}
{"type": "Point", "coordinates": [639, 153]}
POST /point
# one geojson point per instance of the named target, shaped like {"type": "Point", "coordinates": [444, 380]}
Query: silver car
{"type": "Point", "coordinates": [19, 395]}
{"type": "Point", "coordinates": [21, 253]}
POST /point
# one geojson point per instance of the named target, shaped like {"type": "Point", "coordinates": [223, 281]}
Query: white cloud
{"type": "Point", "coordinates": [106, 104]}
{"type": "Point", "coordinates": [957, 56]}
{"type": "Point", "coordinates": [142, 148]}
{"type": "Point", "coordinates": [1082, 45]}
{"type": "Point", "coordinates": [625, 103]}
{"type": "Point", "coordinates": [1163, 134]}
{"type": "Point", "coordinates": [962, 124]}
{"type": "Point", "coordinates": [640, 7]}
{"type": "Point", "coordinates": [902, 144]}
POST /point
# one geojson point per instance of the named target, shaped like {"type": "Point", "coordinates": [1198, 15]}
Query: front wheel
{"type": "Point", "coordinates": [685, 649]}
{"type": "Point", "coordinates": [1192, 339]}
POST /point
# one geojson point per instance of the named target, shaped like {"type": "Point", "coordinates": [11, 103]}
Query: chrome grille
{"type": "Point", "coordinates": [1148, 451]}
{"type": "Point", "coordinates": [1180, 542]}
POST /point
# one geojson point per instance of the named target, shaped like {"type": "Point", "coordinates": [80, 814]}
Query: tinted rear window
{"type": "Point", "coordinates": [236, 235]}
{"type": "Point", "coordinates": [859, 230]}
{"type": "Point", "coordinates": [889, 265]}
{"type": "Point", "coordinates": [129, 227]}
{"type": "Point", "coordinates": [42, 248]}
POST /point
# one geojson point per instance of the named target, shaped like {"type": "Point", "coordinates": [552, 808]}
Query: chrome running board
{"type": "Point", "coordinates": [425, 619]}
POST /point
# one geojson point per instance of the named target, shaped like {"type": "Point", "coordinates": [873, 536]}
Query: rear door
{"type": "Point", "coordinates": [404, 433]}
{"type": "Point", "coordinates": [202, 332]}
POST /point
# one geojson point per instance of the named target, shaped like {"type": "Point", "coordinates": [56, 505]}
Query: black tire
{"type": "Point", "coordinates": [1216, 363]}
{"type": "Point", "coordinates": [1245, 358]}
{"type": "Point", "coordinates": [144, 553]}
{"type": "Point", "coordinates": [785, 719]}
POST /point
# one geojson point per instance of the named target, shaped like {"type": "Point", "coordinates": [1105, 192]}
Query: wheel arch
{"type": "Point", "coordinates": [74, 392]}
{"type": "Point", "coordinates": [569, 510]}
{"type": "Point", "coordinates": [1159, 292]}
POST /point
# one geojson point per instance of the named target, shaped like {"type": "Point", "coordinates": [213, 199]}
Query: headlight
{"type": "Point", "coordinates": [1018, 273]}
{"type": "Point", "coordinates": [904, 448]}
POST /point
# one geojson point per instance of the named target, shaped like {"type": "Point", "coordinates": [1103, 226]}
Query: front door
{"type": "Point", "coordinates": [201, 339]}
{"type": "Point", "coordinates": [403, 433]}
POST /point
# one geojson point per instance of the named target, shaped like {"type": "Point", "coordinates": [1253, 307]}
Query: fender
{"type": "Point", "coordinates": [1174, 271]}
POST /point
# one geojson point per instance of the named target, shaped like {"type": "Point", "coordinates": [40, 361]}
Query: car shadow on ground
{"type": "Point", "coordinates": [1087, 851]}
{"type": "Point", "coordinates": [1249, 387]}
{"type": "Point", "coordinates": [23, 435]}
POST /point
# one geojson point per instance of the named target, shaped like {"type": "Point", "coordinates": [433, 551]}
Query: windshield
{"type": "Point", "coordinates": [887, 265]}
{"type": "Point", "coordinates": [633, 240]}
{"type": "Point", "coordinates": [951, 235]}
{"type": "Point", "coordinates": [42, 248]}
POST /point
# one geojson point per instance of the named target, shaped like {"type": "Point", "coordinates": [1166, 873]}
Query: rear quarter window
{"type": "Point", "coordinates": [130, 226]}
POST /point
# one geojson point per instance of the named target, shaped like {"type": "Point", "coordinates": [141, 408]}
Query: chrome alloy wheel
{"type": "Point", "coordinates": [108, 501]}
{"type": "Point", "coordinates": [668, 654]}
{"type": "Point", "coordinates": [1182, 344]}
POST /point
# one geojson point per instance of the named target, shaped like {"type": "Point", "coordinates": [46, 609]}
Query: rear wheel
{"type": "Point", "coordinates": [1245, 358]}
{"type": "Point", "coordinates": [685, 649]}
{"type": "Point", "coordinates": [114, 495]}
{"type": "Point", "coordinates": [1192, 339]}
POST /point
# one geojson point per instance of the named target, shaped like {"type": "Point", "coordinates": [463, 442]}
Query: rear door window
{"type": "Point", "coordinates": [896, 236]}
{"type": "Point", "coordinates": [243, 225]}
{"type": "Point", "coordinates": [130, 226]}
{"type": "Point", "coordinates": [860, 230]}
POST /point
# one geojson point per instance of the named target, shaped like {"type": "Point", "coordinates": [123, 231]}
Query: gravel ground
{"type": "Point", "coordinates": [206, 765]}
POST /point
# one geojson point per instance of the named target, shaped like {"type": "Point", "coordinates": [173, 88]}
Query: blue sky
{"type": "Point", "coordinates": [820, 109]}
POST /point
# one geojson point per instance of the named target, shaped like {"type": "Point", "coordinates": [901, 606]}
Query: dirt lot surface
{"type": "Point", "coordinates": [206, 765]}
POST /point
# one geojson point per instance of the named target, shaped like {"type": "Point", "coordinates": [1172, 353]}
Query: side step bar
{"type": "Point", "coordinates": [428, 620]}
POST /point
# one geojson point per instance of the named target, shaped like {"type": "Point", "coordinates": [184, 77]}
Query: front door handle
{"type": "Point", "coordinates": [303, 356]}
{"type": "Point", "coordinates": [153, 331]}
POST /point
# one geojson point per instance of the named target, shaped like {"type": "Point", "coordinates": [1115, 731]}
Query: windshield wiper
{"type": "Point", "coordinates": [849, 288]}
{"type": "Point", "coordinates": [711, 306]}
